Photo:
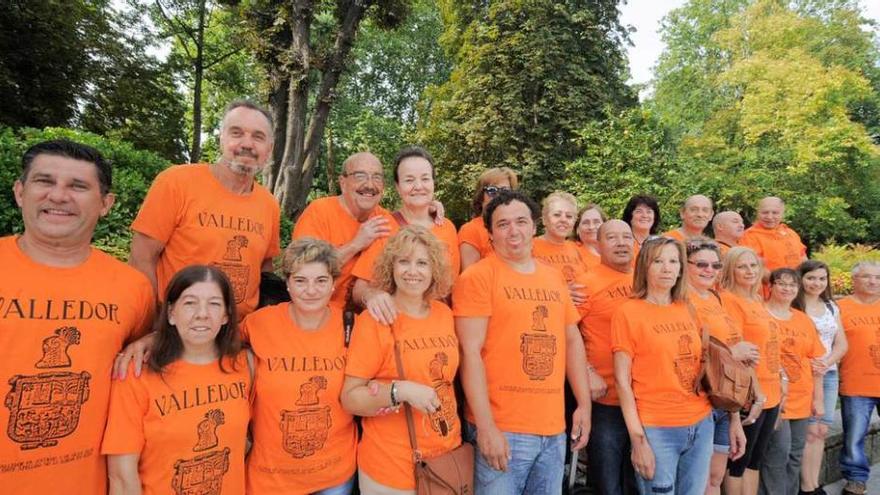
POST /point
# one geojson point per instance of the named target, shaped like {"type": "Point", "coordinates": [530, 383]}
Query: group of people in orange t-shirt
{"type": "Point", "coordinates": [525, 345]}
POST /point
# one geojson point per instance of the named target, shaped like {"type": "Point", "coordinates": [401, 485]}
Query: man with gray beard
{"type": "Point", "coordinates": [214, 214]}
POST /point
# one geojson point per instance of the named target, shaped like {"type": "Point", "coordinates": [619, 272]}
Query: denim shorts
{"type": "Point", "coordinates": [721, 443]}
{"type": "Point", "coordinates": [830, 386]}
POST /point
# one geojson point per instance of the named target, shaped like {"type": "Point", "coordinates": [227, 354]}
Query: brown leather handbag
{"type": "Point", "coordinates": [728, 383]}
{"type": "Point", "coordinates": [451, 473]}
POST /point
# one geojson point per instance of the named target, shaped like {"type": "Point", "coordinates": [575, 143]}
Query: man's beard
{"type": "Point", "coordinates": [239, 168]}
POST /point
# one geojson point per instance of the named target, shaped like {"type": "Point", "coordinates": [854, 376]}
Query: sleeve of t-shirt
{"type": "Point", "coordinates": [472, 294]}
{"type": "Point", "coordinates": [368, 349]}
{"type": "Point", "coordinates": [146, 309]}
{"type": "Point", "coordinates": [467, 234]}
{"type": "Point", "coordinates": [244, 326]}
{"type": "Point", "coordinates": [124, 433]}
{"type": "Point", "coordinates": [571, 312]}
{"type": "Point", "coordinates": [366, 262]}
{"type": "Point", "coordinates": [161, 211]}
{"type": "Point", "coordinates": [309, 224]}
{"type": "Point", "coordinates": [621, 336]}
{"type": "Point", "coordinates": [275, 241]}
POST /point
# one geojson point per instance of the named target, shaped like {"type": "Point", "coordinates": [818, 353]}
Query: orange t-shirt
{"type": "Point", "coordinates": [474, 233]}
{"type": "Point", "coordinates": [675, 234]}
{"type": "Point", "coordinates": [800, 344]}
{"type": "Point", "coordinates": [188, 424]}
{"type": "Point", "coordinates": [444, 232]}
{"type": "Point", "coordinates": [606, 289]}
{"type": "Point", "coordinates": [664, 344]}
{"type": "Point", "coordinates": [860, 367]}
{"type": "Point", "coordinates": [528, 314]}
{"type": "Point", "coordinates": [721, 325]}
{"type": "Point", "coordinates": [761, 329]}
{"type": "Point", "coordinates": [202, 222]}
{"type": "Point", "coordinates": [326, 219]}
{"type": "Point", "coordinates": [780, 247]}
{"type": "Point", "coordinates": [723, 248]}
{"type": "Point", "coordinates": [590, 259]}
{"type": "Point", "coordinates": [429, 351]}
{"type": "Point", "coordinates": [60, 330]}
{"type": "Point", "coordinates": [303, 440]}
{"type": "Point", "coordinates": [565, 257]}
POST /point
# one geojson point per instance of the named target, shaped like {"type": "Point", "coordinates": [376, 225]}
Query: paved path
{"type": "Point", "coordinates": [873, 483]}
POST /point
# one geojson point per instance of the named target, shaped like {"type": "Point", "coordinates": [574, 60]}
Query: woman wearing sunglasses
{"type": "Point", "coordinates": [473, 238]}
{"type": "Point", "coordinates": [704, 267]}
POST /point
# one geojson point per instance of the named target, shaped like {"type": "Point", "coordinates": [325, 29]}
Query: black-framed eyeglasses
{"type": "Point", "coordinates": [363, 176]}
{"type": "Point", "coordinates": [702, 265]}
{"type": "Point", "coordinates": [491, 191]}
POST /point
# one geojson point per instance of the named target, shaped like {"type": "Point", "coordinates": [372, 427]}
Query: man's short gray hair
{"type": "Point", "coordinates": [864, 264]}
{"type": "Point", "coordinates": [243, 103]}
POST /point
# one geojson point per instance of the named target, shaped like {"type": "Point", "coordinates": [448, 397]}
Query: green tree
{"type": "Point", "coordinates": [304, 47]}
{"type": "Point", "coordinates": [528, 75]}
{"type": "Point", "coordinates": [788, 130]}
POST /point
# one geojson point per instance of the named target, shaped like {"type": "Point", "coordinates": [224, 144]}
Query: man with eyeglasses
{"type": "Point", "coordinates": [214, 214]}
{"type": "Point", "coordinates": [774, 241]}
{"type": "Point", "coordinates": [608, 286]}
{"type": "Point", "coordinates": [695, 215]}
{"type": "Point", "coordinates": [729, 228]}
{"type": "Point", "coordinates": [350, 221]}
{"type": "Point", "coordinates": [859, 372]}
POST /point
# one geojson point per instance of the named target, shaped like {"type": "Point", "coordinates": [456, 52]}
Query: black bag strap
{"type": "Point", "coordinates": [347, 325]}
{"type": "Point", "coordinates": [400, 218]}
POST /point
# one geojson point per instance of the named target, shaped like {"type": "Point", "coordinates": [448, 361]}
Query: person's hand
{"type": "Point", "coordinates": [820, 367]}
{"type": "Point", "coordinates": [818, 409]}
{"type": "Point", "coordinates": [745, 352]}
{"type": "Point", "coordinates": [580, 428]}
{"type": "Point", "coordinates": [421, 397]}
{"type": "Point", "coordinates": [737, 440]}
{"type": "Point", "coordinates": [436, 209]}
{"type": "Point", "coordinates": [493, 447]}
{"type": "Point", "coordinates": [576, 291]}
{"type": "Point", "coordinates": [370, 230]}
{"type": "Point", "coordinates": [643, 458]}
{"type": "Point", "coordinates": [598, 387]}
{"type": "Point", "coordinates": [381, 306]}
{"type": "Point", "coordinates": [755, 411]}
{"type": "Point", "coordinates": [138, 351]}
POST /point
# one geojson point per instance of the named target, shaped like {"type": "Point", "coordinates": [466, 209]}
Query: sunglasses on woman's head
{"type": "Point", "coordinates": [493, 190]}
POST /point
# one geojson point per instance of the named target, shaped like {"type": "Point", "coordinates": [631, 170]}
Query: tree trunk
{"type": "Point", "coordinates": [331, 170]}
{"type": "Point", "coordinates": [298, 175]}
{"type": "Point", "coordinates": [278, 106]}
{"type": "Point", "coordinates": [199, 65]}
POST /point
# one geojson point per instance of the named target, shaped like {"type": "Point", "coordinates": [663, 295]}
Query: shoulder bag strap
{"type": "Point", "coordinates": [410, 426]}
{"type": "Point", "coordinates": [704, 337]}
{"type": "Point", "coordinates": [400, 219]}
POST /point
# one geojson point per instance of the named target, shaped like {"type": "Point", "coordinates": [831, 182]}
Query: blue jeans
{"type": "Point", "coordinates": [535, 467]}
{"type": "Point", "coordinates": [830, 386]}
{"type": "Point", "coordinates": [608, 453]}
{"type": "Point", "coordinates": [681, 458]}
{"type": "Point", "coordinates": [341, 489]}
{"type": "Point", "coordinates": [856, 415]}
{"type": "Point", "coordinates": [721, 437]}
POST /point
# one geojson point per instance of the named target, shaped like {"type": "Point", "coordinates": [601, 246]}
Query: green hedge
{"type": "Point", "coordinates": [133, 172]}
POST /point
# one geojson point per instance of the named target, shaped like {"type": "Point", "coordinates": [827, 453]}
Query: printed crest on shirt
{"type": "Point", "coordinates": [236, 271]}
{"type": "Point", "coordinates": [875, 350]}
{"type": "Point", "coordinates": [305, 429]}
{"type": "Point", "coordinates": [790, 360]}
{"type": "Point", "coordinates": [203, 474]}
{"type": "Point", "coordinates": [46, 407]}
{"type": "Point", "coordinates": [538, 348]}
{"type": "Point", "coordinates": [443, 420]}
{"type": "Point", "coordinates": [686, 362]}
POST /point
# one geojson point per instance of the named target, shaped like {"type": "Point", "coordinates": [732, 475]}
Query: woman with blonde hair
{"type": "Point", "coordinates": [741, 281]}
{"type": "Point", "coordinates": [553, 247]}
{"type": "Point", "coordinates": [657, 354]}
{"type": "Point", "coordinates": [473, 238]}
{"type": "Point", "coordinates": [414, 270]}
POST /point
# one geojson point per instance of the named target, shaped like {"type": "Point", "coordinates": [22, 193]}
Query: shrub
{"type": "Point", "coordinates": [133, 172]}
{"type": "Point", "coordinates": [840, 259]}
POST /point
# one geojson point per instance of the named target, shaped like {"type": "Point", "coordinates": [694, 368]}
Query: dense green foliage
{"type": "Point", "coordinates": [133, 172]}
{"type": "Point", "coordinates": [840, 260]}
{"type": "Point", "coordinates": [528, 74]}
